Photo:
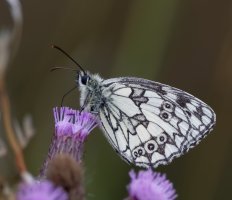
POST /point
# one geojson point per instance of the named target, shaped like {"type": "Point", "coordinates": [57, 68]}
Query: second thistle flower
{"type": "Point", "coordinates": [149, 185]}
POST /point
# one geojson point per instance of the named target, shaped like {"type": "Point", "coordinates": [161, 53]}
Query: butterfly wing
{"type": "Point", "coordinates": [149, 123]}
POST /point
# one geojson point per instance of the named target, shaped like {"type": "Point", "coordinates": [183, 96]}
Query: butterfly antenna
{"type": "Point", "coordinates": [56, 68]}
{"type": "Point", "coordinates": [65, 53]}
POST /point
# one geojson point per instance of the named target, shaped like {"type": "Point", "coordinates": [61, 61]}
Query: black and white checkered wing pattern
{"type": "Point", "coordinates": [149, 123]}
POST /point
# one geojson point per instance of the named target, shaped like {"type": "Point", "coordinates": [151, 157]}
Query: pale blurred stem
{"type": "Point", "coordinates": [6, 116]}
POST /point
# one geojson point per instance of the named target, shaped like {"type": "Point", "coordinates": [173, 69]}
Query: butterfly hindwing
{"type": "Point", "coordinates": [149, 123]}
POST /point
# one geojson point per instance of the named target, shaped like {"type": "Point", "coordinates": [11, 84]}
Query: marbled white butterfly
{"type": "Point", "coordinates": [146, 122]}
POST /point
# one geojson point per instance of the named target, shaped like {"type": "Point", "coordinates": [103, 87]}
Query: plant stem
{"type": "Point", "coordinates": [6, 114]}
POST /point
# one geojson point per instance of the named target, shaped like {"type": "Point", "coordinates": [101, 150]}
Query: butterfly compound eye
{"type": "Point", "coordinates": [84, 79]}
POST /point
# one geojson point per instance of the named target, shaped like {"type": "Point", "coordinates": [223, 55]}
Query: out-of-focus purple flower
{"type": "Point", "coordinates": [71, 129]}
{"type": "Point", "coordinates": [149, 185]}
{"type": "Point", "coordinates": [44, 190]}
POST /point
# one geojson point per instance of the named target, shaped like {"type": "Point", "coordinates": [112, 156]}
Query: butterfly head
{"type": "Point", "coordinates": [85, 79]}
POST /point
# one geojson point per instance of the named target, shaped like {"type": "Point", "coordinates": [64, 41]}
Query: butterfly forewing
{"type": "Point", "coordinates": [149, 123]}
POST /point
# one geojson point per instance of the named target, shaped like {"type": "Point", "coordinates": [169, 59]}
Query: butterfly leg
{"type": "Point", "coordinates": [62, 100]}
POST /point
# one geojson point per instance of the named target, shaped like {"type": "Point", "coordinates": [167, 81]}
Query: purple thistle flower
{"type": "Point", "coordinates": [71, 130]}
{"type": "Point", "coordinates": [149, 185]}
{"type": "Point", "coordinates": [44, 190]}
{"type": "Point", "coordinates": [72, 123]}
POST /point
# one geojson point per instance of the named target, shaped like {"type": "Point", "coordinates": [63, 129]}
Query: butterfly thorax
{"type": "Point", "coordinates": [92, 97]}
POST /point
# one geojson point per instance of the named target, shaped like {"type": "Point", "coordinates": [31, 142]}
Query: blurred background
{"type": "Point", "coordinates": [185, 44]}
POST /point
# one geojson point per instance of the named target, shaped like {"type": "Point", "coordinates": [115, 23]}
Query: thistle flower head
{"type": "Point", "coordinates": [72, 123]}
{"type": "Point", "coordinates": [71, 130]}
{"type": "Point", "coordinates": [149, 185]}
{"type": "Point", "coordinates": [44, 190]}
